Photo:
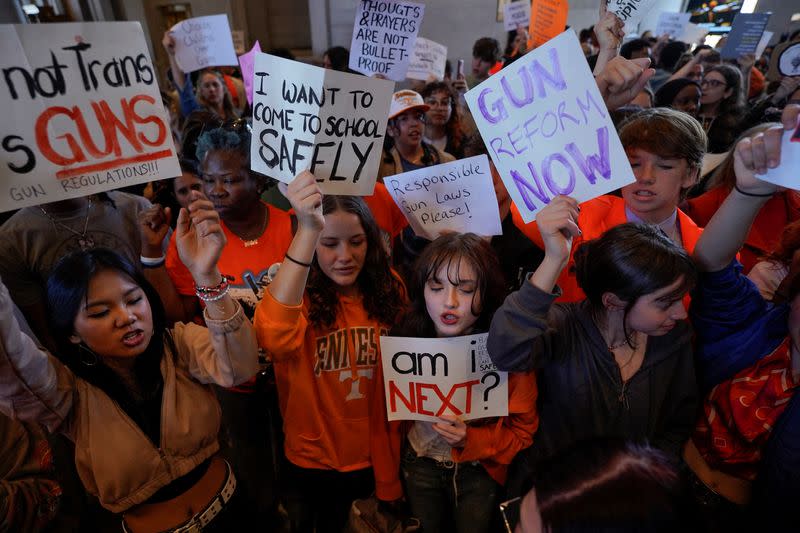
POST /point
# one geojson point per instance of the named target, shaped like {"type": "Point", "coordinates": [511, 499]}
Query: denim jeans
{"type": "Point", "coordinates": [448, 496]}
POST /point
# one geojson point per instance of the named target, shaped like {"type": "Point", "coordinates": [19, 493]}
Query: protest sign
{"type": "Point", "coordinates": [331, 123]}
{"type": "Point", "coordinates": [383, 37]}
{"type": "Point", "coordinates": [672, 24]}
{"type": "Point", "coordinates": [428, 61]}
{"type": "Point", "coordinates": [547, 128]}
{"type": "Point", "coordinates": [762, 44]}
{"type": "Point", "coordinates": [548, 19]}
{"type": "Point", "coordinates": [789, 61]}
{"type": "Point", "coordinates": [203, 42]}
{"type": "Point", "coordinates": [745, 34]}
{"type": "Point", "coordinates": [630, 12]}
{"type": "Point", "coordinates": [693, 34]}
{"type": "Point", "coordinates": [516, 15]}
{"type": "Point", "coordinates": [454, 196]}
{"type": "Point", "coordinates": [786, 174]}
{"type": "Point", "coordinates": [82, 112]}
{"type": "Point", "coordinates": [425, 379]}
{"type": "Point", "coordinates": [238, 41]}
{"type": "Point", "coordinates": [247, 64]}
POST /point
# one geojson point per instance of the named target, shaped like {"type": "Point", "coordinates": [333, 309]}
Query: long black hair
{"type": "Point", "coordinates": [449, 251]}
{"type": "Point", "coordinates": [67, 290]}
{"type": "Point", "coordinates": [381, 290]}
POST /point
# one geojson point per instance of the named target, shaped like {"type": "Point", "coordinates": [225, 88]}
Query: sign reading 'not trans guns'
{"type": "Point", "coordinates": [547, 128]}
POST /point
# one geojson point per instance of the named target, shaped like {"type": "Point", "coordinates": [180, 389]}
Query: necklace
{"type": "Point", "coordinates": [248, 243]}
{"type": "Point", "coordinates": [84, 242]}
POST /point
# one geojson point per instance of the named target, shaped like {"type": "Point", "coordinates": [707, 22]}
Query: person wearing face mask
{"type": "Point", "coordinates": [320, 321]}
{"type": "Point", "coordinates": [211, 92]}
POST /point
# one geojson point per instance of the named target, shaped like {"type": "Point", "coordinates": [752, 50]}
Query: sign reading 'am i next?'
{"type": "Point", "coordinates": [82, 112]}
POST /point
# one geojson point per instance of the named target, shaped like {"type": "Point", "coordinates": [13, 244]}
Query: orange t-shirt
{"type": "Point", "coordinates": [247, 266]}
{"type": "Point", "coordinates": [327, 380]}
{"type": "Point", "coordinates": [597, 216]}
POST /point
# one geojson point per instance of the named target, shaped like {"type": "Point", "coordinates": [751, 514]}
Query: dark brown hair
{"type": "Point", "coordinates": [453, 127]}
{"type": "Point", "coordinates": [449, 251]}
{"type": "Point", "coordinates": [724, 175]}
{"type": "Point", "coordinates": [381, 290]}
{"type": "Point", "coordinates": [630, 261]}
{"type": "Point", "coordinates": [733, 80]}
{"type": "Point", "coordinates": [227, 102]}
{"type": "Point", "coordinates": [666, 132]}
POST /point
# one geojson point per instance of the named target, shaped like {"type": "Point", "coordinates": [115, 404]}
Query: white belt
{"type": "Point", "coordinates": [199, 521]}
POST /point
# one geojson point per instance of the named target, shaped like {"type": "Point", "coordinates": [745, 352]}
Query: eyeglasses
{"type": "Point", "coordinates": [406, 118]}
{"type": "Point", "coordinates": [713, 83]}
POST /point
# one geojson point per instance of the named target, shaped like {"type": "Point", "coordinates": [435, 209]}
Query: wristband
{"type": "Point", "coordinates": [213, 293]}
{"type": "Point", "coordinates": [295, 261]}
{"type": "Point", "coordinates": [152, 262]}
{"type": "Point", "coordinates": [754, 195]}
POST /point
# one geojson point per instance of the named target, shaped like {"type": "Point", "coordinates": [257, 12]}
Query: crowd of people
{"type": "Point", "coordinates": [202, 354]}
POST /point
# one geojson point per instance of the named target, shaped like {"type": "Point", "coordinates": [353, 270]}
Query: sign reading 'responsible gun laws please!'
{"type": "Point", "coordinates": [82, 112]}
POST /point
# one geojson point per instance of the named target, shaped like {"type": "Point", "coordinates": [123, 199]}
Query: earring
{"type": "Point", "coordinates": [87, 357]}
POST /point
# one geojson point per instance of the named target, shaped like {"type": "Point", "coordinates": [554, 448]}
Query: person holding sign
{"type": "Point", "coordinates": [453, 471]}
{"type": "Point", "coordinates": [617, 364]}
{"type": "Point", "coordinates": [320, 320]}
{"type": "Point", "coordinates": [665, 149]}
{"type": "Point", "coordinates": [744, 447]}
{"type": "Point", "coordinates": [132, 394]}
{"type": "Point", "coordinates": [212, 92]}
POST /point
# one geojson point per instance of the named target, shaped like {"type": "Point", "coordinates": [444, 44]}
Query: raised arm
{"type": "Point", "coordinates": [520, 336]}
{"type": "Point", "coordinates": [186, 94]}
{"type": "Point", "coordinates": [306, 199]}
{"type": "Point", "coordinates": [154, 227]}
{"type": "Point", "coordinates": [728, 228]}
{"type": "Point", "coordinates": [622, 79]}
{"type": "Point", "coordinates": [610, 32]}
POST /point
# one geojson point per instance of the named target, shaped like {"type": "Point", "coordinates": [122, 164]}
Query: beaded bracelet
{"type": "Point", "coordinates": [213, 293]}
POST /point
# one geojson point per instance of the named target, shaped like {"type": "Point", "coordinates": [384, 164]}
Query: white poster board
{"type": "Point", "coordinates": [516, 14]}
{"type": "Point", "coordinates": [786, 174]}
{"type": "Point", "coordinates": [693, 34]}
{"type": "Point", "coordinates": [547, 128]}
{"type": "Point", "coordinates": [631, 12]}
{"type": "Point", "coordinates": [672, 24]}
{"type": "Point", "coordinates": [331, 123]}
{"type": "Point", "coordinates": [428, 61]}
{"type": "Point", "coordinates": [789, 61]}
{"type": "Point", "coordinates": [203, 42]}
{"type": "Point", "coordinates": [451, 197]}
{"type": "Point", "coordinates": [383, 37]}
{"type": "Point", "coordinates": [427, 378]}
{"type": "Point", "coordinates": [82, 112]}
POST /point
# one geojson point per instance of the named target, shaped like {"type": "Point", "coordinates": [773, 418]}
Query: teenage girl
{"type": "Point", "coordinates": [616, 364]}
{"type": "Point", "coordinates": [320, 320]}
{"type": "Point", "coordinates": [454, 471]}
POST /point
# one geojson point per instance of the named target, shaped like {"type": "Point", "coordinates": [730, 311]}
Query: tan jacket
{"type": "Point", "coordinates": [115, 459]}
{"type": "Point", "coordinates": [395, 167]}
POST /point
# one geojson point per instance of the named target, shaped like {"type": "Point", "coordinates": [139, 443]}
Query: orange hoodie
{"type": "Point", "coordinates": [597, 216]}
{"type": "Point", "coordinates": [492, 441]}
{"type": "Point", "coordinates": [326, 380]}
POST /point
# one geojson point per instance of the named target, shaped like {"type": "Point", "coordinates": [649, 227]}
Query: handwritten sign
{"type": "Point", "coordinates": [548, 19]}
{"type": "Point", "coordinates": [82, 112]}
{"type": "Point", "coordinates": [547, 128]}
{"type": "Point", "coordinates": [745, 34]}
{"type": "Point", "coordinates": [427, 378]}
{"type": "Point", "coordinates": [454, 196]}
{"type": "Point", "coordinates": [247, 62]}
{"type": "Point", "coordinates": [693, 34]}
{"type": "Point", "coordinates": [672, 24]}
{"type": "Point", "coordinates": [785, 175]}
{"type": "Point", "coordinates": [630, 12]}
{"type": "Point", "coordinates": [203, 42]}
{"type": "Point", "coordinates": [516, 14]}
{"type": "Point", "coordinates": [428, 61]}
{"type": "Point", "coordinates": [331, 123]}
{"type": "Point", "coordinates": [383, 37]}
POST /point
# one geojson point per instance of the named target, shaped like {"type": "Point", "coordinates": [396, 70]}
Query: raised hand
{"type": "Point", "coordinates": [306, 198]}
{"type": "Point", "coordinates": [200, 239]}
{"type": "Point", "coordinates": [558, 224]}
{"type": "Point", "coordinates": [609, 29]}
{"type": "Point", "coordinates": [622, 79]}
{"type": "Point", "coordinates": [168, 42]}
{"type": "Point", "coordinates": [754, 155]}
{"type": "Point", "coordinates": [153, 227]}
